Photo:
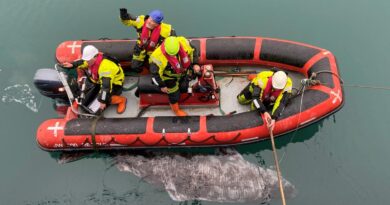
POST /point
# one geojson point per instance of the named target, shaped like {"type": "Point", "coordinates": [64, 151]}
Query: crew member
{"type": "Point", "coordinates": [151, 32]}
{"type": "Point", "coordinates": [269, 90]}
{"type": "Point", "coordinates": [105, 71]}
{"type": "Point", "coordinates": [170, 65]}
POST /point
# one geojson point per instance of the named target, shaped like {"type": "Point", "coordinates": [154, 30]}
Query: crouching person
{"type": "Point", "coordinates": [104, 71]}
{"type": "Point", "coordinates": [268, 91]}
{"type": "Point", "coordinates": [169, 65]}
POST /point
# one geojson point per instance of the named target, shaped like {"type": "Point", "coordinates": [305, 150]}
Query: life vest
{"type": "Point", "coordinates": [149, 39]}
{"type": "Point", "coordinates": [178, 67]}
{"type": "Point", "coordinates": [93, 69]}
{"type": "Point", "coordinates": [139, 25]}
{"type": "Point", "coordinates": [270, 94]}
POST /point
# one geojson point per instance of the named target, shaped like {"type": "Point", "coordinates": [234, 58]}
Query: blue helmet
{"type": "Point", "coordinates": [157, 16]}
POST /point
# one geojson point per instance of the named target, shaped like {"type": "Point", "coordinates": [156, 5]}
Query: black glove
{"type": "Point", "coordinates": [124, 14]}
{"type": "Point", "coordinates": [77, 63]}
{"type": "Point", "coordinates": [137, 49]}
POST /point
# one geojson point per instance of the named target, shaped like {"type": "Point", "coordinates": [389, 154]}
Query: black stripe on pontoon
{"type": "Point", "coordinates": [107, 126]}
{"type": "Point", "coordinates": [121, 50]}
{"type": "Point", "coordinates": [176, 124]}
{"type": "Point", "coordinates": [286, 53]}
{"type": "Point", "coordinates": [196, 44]}
{"type": "Point", "coordinates": [326, 78]}
{"type": "Point", "coordinates": [146, 85]}
{"type": "Point", "coordinates": [233, 122]}
{"type": "Point", "coordinates": [310, 99]}
{"type": "Point", "coordinates": [230, 49]}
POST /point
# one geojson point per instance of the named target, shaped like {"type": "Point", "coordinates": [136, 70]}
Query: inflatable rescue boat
{"type": "Point", "coordinates": [215, 117]}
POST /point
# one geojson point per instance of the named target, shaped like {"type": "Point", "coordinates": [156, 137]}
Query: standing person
{"type": "Point", "coordinates": [151, 32]}
{"type": "Point", "coordinates": [269, 90]}
{"type": "Point", "coordinates": [170, 63]}
{"type": "Point", "coordinates": [102, 70]}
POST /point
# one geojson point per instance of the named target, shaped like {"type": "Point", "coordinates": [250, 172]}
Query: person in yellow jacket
{"type": "Point", "coordinates": [151, 32]}
{"type": "Point", "coordinates": [170, 64]}
{"type": "Point", "coordinates": [103, 70]}
{"type": "Point", "coordinates": [269, 90]}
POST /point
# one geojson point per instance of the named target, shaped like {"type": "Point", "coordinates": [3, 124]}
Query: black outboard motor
{"type": "Point", "coordinates": [48, 83]}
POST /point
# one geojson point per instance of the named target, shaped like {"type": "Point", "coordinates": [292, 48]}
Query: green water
{"type": "Point", "coordinates": [341, 160]}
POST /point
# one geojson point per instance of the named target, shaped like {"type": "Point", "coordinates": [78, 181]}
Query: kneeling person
{"type": "Point", "coordinates": [267, 91]}
{"type": "Point", "coordinates": [102, 70]}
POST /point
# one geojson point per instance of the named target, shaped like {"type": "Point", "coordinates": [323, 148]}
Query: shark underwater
{"type": "Point", "coordinates": [224, 176]}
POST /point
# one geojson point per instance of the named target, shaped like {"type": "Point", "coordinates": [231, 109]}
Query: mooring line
{"type": "Point", "coordinates": [367, 86]}
{"type": "Point", "coordinates": [296, 128]}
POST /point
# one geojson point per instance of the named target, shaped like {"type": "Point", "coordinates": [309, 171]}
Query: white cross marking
{"type": "Point", "coordinates": [74, 46]}
{"type": "Point", "coordinates": [336, 96]}
{"type": "Point", "coordinates": [55, 128]}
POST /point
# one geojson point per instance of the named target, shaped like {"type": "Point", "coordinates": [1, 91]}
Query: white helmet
{"type": "Point", "coordinates": [89, 52]}
{"type": "Point", "coordinates": [279, 80]}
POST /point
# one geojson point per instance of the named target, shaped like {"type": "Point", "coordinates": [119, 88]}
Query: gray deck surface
{"type": "Point", "coordinates": [230, 88]}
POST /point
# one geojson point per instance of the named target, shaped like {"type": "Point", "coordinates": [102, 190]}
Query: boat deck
{"type": "Point", "coordinates": [230, 87]}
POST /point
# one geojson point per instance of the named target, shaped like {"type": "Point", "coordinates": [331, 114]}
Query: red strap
{"type": "Point", "coordinates": [94, 68]}
{"type": "Point", "coordinates": [269, 92]}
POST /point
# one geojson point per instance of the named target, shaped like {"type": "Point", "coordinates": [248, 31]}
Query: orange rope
{"type": "Point", "coordinates": [277, 168]}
